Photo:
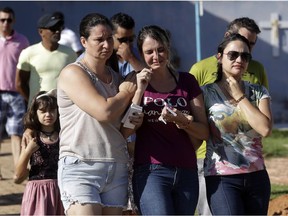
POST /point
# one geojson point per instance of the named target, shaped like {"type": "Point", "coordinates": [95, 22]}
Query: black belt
{"type": "Point", "coordinates": [10, 92]}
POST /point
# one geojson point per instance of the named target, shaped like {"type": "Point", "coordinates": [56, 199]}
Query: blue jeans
{"type": "Point", "coordinates": [165, 190]}
{"type": "Point", "coordinates": [241, 194]}
{"type": "Point", "coordinates": [12, 110]}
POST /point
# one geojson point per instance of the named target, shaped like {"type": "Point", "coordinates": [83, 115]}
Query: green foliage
{"type": "Point", "coordinates": [276, 145]}
{"type": "Point", "coordinates": [278, 190]}
{"type": "Point", "coordinates": [279, 133]}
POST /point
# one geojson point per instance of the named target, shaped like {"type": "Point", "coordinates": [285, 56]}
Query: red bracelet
{"type": "Point", "coordinates": [241, 98]}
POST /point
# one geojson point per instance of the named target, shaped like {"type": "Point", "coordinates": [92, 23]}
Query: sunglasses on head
{"type": "Point", "coordinates": [126, 39]}
{"type": "Point", "coordinates": [9, 20]}
{"type": "Point", "coordinates": [233, 55]}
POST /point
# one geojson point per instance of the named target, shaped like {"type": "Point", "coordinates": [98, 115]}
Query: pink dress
{"type": "Point", "coordinates": [42, 195]}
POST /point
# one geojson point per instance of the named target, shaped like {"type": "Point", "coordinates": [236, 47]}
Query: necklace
{"type": "Point", "coordinates": [105, 78]}
{"type": "Point", "coordinates": [228, 96]}
{"type": "Point", "coordinates": [48, 134]}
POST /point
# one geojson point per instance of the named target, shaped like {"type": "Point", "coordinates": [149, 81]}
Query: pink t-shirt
{"type": "Point", "coordinates": [160, 143]}
{"type": "Point", "coordinates": [10, 49]}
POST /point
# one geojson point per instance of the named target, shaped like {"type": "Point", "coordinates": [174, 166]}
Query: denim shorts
{"type": "Point", "coordinates": [87, 182]}
{"type": "Point", "coordinates": [12, 110]}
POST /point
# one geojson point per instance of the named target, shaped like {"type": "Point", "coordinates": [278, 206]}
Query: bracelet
{"type": "Point", "coordinates": [241, 98]}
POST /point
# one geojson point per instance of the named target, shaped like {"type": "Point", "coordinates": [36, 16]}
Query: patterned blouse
{"type": "Point", "coordinates": [234, 147]}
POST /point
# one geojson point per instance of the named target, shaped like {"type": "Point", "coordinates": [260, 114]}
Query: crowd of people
{"type": "Point", "coordinates": [195, 145]}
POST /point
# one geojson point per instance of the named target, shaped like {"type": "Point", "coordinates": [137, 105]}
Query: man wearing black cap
{"type": "Point", "coordinates": [69, 37]}
{"type": "Point", "coordinates": [40, 64]}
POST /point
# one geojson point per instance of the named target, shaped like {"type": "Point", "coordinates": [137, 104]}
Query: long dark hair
{"type": "Point", "coordinates": [45, 102]}
{"type": "Point", "coordinates": [226, 40]}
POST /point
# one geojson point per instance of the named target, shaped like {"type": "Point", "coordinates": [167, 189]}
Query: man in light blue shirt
{"type": "Point", "coordinates": [125, 59]}
{"type": "Point", "coordinates": [127, 56]}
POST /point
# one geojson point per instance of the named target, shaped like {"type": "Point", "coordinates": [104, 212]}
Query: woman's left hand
{"type": "Point", "coordinates": [167, 115]}
{"type": "Point", "coordinates": [180, 119]}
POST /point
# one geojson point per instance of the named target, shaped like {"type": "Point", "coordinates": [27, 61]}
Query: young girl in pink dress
{"type": "Point", "coordinates": [41, 195]}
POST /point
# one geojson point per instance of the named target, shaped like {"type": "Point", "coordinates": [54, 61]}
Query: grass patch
{"type": "Point", "coordinates": [278, 190]}
{"type": "Point", "coordinates": [276, 145]}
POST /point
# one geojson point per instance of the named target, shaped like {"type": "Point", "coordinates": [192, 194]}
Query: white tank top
{"type": "Point", "coordinates": [82, 135]}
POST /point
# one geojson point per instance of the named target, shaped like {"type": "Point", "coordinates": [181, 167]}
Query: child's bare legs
{"type": "Point", "coordinates": [16, 147]}
{"type": "Point", "coordinates": [92, 209]}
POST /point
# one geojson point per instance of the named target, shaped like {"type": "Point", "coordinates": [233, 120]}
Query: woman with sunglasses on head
{"type": "Point", "coordinates": [239, 116]}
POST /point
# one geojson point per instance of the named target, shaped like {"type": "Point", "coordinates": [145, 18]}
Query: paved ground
{"type": "Point", "coordinates": [11, 194]}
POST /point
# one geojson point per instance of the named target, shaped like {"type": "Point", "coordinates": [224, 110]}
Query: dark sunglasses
{"type": "Point", "coordinates": [56, 28]}
{"type": "Point", "coordinates": [126, 39]}
{"type": "Point", "coordinates": [9, 20]}
{"type": "Point", "coordinates": [233, 55]}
